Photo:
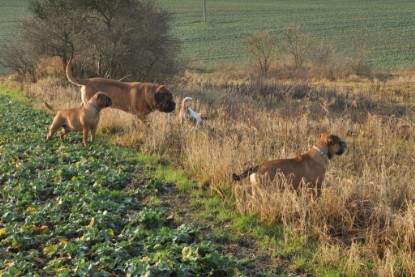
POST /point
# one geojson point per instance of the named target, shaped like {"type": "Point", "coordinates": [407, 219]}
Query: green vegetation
{"type": "Point", "coordinates": [11, 14]}
{"type": "Point", "coordinates": [108, 210]}
{"type": "Point", "coordinates": [385, 28]}
{"type": "Point", "coordinates": [66, 209]}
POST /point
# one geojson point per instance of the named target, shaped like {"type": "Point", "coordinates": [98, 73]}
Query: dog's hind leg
{"type": "Point", "coordinates": [93, 133]}
{"type": "Point", "coordinates": [85, 136]}
{"type": "Point", "coordinates": [51, 133]}
{"type": "Point", "coordinates": [53, 128]}
{"type": "Point", "coordinates": [64, 132]}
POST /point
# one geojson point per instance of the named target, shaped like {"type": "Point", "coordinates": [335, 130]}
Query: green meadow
{"type": "Point", "coordinates": [11, 14]}
{"type": "Point", "coordinates": [385, 29]}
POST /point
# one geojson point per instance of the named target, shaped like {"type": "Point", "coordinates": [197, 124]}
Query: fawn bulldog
{"type": "Point", "coordinates": [84, 118]}
{"type": "Point", "coordinates": [133, 97]}
{"type": "Point", "coordinates": [310, 166]}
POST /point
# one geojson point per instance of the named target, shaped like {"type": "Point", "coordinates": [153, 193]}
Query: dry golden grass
{"type": "Point", "coordinates": [365, 218]}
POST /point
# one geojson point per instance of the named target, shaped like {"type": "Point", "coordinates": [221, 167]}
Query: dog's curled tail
{"type": "Point", "coordinates": [71, 78]}
{"type": "Point", "coordinates": [185, 99]}
{"type": "Point", "coordinates": [49, 107]}
{"type": "Point", "coordinates": [245, 174]}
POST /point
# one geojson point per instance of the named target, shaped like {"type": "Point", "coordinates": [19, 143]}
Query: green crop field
{"type": "Point", "coordinates": [386, 28]}
{"type": "Point", "coordinates": [67, 210]}
{"type": "Point", "coordinates": [12, 12]}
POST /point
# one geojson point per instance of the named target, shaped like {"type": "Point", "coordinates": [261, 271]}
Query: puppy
{"type": "Point", "coordinates": [309, 167]}
{"type": "Point", "coordinates": [84, 118]}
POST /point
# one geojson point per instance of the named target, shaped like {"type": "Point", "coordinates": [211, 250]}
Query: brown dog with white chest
{"type": "Point", "coordinates": [84, 118]}
{"type": "Point", "coordinates": [309, 167]}
{"type": "Point", "coordinates": [132, 97]}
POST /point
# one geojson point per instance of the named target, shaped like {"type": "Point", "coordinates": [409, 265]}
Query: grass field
{"type": "Point", "coordinates": [386, 28]}
{"type": "Point", "coordinates": [11, 14]}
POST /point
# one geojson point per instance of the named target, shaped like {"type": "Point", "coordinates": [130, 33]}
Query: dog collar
{"type": "Point", "coordinates": [324, 155]}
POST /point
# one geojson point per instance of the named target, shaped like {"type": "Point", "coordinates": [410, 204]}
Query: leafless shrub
{"type": "Point", "coordinates": [262, 47]}
{"type": "Point", "coordinates": [332, 64]}
{"type": "Point", "coordinates": [297, 44]}
{"type": "Point", "coordinates": [124, 38]}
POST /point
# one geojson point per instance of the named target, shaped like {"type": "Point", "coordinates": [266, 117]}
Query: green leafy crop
{"type": "Point", "coordinates": [67, 210]}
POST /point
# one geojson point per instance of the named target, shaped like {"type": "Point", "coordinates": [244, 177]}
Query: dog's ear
{"type": "Point", "coordinates": [108, 101]}
{"type": "Point", "coordinates": [158, 96]}
{"type": "Point", "coordinates": [100, 99]}
{"type": "Point", "coordinates": [327, 137]}
{"type": "Point", "coordinates": [333, 139]}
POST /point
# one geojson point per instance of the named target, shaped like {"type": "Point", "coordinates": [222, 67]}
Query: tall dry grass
{"type": "Point", "coordinates": [365, 216]}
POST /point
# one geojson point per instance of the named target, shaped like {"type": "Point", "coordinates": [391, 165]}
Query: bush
{"type": "Point", "coordinates": [114, 39]}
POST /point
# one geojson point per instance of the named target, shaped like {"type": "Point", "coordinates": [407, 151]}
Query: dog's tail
{"type": "Point", "coordinates": [71, 78]}
{"type": "Point", "coordinates": [245, 174]}
{"type": "Point", "coordinates": [49, 107]}
{"type": "Point", "coordinates": [184, 101]}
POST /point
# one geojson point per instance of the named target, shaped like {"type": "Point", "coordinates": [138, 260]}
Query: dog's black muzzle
{"type": "Point", "coordinates": [168, 107]}
{"type": "Point", "coordinates": [108, 102]}
{"type": "Point", "coordinates": [342, 148]}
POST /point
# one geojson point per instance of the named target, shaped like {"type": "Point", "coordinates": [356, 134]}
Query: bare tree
{"type": "Point", "coordinates": [262, 47]}
{"type": "Point", "coordinates": [19, 57]}
{"type": "Point", "coordinates": [297, 44]}
{"type": "Point", "coordinates": [55, 28]}
{"type": "Point", "coordinates": [110, 38]}
{"type": "Point", "coordinates": [132, 40]}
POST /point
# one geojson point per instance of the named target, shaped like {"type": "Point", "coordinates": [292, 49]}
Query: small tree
{"type": "Point", "coordinates": [262, 47]}
{"type": "Point", "coordinates": [297, 44]}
